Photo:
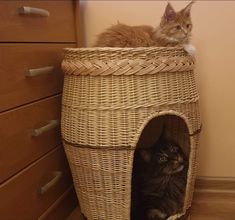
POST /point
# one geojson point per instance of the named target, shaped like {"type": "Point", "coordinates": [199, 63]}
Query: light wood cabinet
{"type": "Point", "coordinates": [35, 180]}
{"type": "Point", "coordinates": [24, 21]}
{"type": "Point", "coordinates": [23, 147]}
{"type": "Point", "coordinates": [29, 72]}
{"type": "Point", "coordinates": [26, 195]}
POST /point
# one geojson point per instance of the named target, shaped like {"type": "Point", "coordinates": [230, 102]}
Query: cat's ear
{"type": "Point", "coordinates": [187, 10]}
{"type": "Point", "coordinates": [169, 13]}
{"type": "Point", "coordinates": [145, 155]}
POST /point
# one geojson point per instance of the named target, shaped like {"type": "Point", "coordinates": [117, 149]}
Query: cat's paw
{"type": "Point", "coordinates": [156, 214]}
{"type": "Point", "coordinates": [190, 49]}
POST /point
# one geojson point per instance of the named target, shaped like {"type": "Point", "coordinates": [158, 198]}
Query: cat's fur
{"type": "Point", "coordinates": [159, 181]}
{"type": "Point", "coordinates": [174, 30]}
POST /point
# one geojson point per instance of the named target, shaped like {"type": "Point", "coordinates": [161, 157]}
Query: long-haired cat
{"type": "Point", "coordinates": [159, 181]}
{"type": "Point", "coordinates": [174, 30]}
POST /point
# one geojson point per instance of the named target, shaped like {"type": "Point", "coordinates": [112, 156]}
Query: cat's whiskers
{"type": "Point", "coordinates": [179, 169]}
{"type": "Point", "coordinates": [163, 154]}
{"type": "Point", "coordinates": [172, 39]}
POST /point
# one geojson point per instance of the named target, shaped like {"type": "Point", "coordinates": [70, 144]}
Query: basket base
{"type": "Point", "coordinates": [83, 217]}
{"type": "Point", "coordinates": [187, 216]}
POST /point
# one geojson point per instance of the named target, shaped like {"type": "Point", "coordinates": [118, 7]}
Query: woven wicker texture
{"type": "Point", "coordinates": [110, 95]}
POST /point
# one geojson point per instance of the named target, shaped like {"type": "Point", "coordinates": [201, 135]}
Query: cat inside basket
{"type": "Point", "coordinates": [160, 169]}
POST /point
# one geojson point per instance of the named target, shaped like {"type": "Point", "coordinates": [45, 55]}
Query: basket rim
{"type": "Point", "coordinates": [104, 61]}
{"type": "Point", "coordinates": [110, 49]}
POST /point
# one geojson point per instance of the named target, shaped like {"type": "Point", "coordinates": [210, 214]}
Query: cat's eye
{"type": "Point", "coordinates": [173, 149]}
{"type": "Point", "coordinates": [178, 27]}
{"type": "Point", "coordinates": [163, 159]}
{"type": "Point", "coordinates": [188, 25]}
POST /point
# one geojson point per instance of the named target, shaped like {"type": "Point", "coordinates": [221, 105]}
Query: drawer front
{"type": "Point", "coordinates": [20, 22]}
{"type": "Point", "coordinates": [19, 145]}
{"type": "Point", "coordinates": [63, 207]}
{"type": "Point", "coordinates": [18, 61]}
{"type": "Point", "coordinates": [20, 195]}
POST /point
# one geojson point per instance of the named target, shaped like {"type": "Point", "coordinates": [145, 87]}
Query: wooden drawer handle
{"type": "Point", "coordinates": [56, 177]}
{"type": "Point", "coordinates": [25, 10]}
{"type": "Point", "coordinates": [38, 131]}
{"type": "Point", "coordinates": [39, 71]}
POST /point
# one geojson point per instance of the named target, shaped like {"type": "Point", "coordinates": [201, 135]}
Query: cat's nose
{"type": "Point", "coordinates": [184, 31]}
{"type": "Point", "coordinates": [175, 163]}
{"type": "Point", "coordinates": [180, 159]}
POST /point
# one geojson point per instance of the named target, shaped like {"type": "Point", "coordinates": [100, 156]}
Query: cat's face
{"type": "Point", "coordinates": [177, 26]}
{"type": "Point", "coordinates": [165, 157]}
{"type": "Point", "coordinates": [168, 158]}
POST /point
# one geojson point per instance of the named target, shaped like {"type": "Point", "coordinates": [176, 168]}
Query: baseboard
{"type": "Point", "coordinates": [218, 188]}
{"type": "Point", "coordinates": [215, 183]}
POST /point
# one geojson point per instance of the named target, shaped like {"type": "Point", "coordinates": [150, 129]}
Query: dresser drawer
{"type": "Point", "coordinates": [19, 145]}
{"type": "Point", "coordinates": [27, 195]}
{"type": "Point", "coordinates": [54, 23]}
{"type": "Point", "coordinates": [17, 61]}
{"type": "Point", "coordinates": [63, 207]}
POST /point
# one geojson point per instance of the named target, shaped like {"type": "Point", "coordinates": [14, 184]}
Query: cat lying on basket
{"type": "Point", "coordinates": [174, 30]}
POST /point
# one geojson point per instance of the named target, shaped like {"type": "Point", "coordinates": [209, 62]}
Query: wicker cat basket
{"type": "Point", "coordinates": [115, 99]}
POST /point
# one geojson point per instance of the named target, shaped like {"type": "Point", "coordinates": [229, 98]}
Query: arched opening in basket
{"type": "Point", "coordinates": [175, 129]}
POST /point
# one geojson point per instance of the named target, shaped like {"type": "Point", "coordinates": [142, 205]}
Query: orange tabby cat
{"type": "Point", "coordinates": [174, 30]}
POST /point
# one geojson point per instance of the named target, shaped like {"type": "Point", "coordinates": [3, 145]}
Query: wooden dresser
{"type": "Point", "coordinates": [35, 181]}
